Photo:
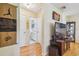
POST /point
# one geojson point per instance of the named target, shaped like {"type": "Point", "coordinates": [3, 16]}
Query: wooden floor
{"type": "Point", "coordinates": [73, 51]}
{"type": "Point", "coordinates": [25, 51]}
{"type": "Point", "coordinates": [31, 50]}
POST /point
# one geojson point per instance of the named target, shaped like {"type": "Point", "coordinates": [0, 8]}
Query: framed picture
{"type": "Point", "coordinates": [55, 16]}
{"type": "Point", "coordinates": [7, 25]}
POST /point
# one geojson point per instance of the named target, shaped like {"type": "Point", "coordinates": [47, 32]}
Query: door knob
{"type": "Point", "coordinates": [24, 32]}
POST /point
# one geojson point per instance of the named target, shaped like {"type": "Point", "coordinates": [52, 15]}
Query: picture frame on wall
{"type": "Point", "coordinates": [55, 16]}
{"type": "Point", "coordinates": [8, 25]}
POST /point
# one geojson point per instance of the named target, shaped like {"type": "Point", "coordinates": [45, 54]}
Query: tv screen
{"type": "Point", "coordinates": [60, 28]}
{"type": "Point", "coordinates": [62, 25]}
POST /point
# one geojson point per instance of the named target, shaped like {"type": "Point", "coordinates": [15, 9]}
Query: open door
{"type": "Point", "coordinates": [22, 30]}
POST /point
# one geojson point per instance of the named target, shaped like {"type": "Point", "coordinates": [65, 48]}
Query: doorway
{"type": "Point", "coordinates": [22, 30]}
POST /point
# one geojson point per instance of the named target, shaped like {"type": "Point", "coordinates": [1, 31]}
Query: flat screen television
{"type": "Point", "coordinates": [60, 28]}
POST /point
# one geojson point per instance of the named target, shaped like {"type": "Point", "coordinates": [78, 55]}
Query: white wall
{"type": "Point", "coordinates": [48, 9]}
{"type": "Point", "coordinates": [77, 30]}
{"type": "Point", "coordinates": [41, 26]}
{"type": "Point", "coordinates": [12, 50]}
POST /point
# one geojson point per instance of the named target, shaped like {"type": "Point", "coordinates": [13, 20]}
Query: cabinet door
{"type": "Point", "coordinates": [7, 38]}
{"type": "Point", "coordinates": [71, 30]}
{"type": "Point", "coordinates": [7, 11]}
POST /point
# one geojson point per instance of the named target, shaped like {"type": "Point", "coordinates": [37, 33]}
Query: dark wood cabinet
{"type": "Point", "coordinates": [67, 45]}
{"type": "Point", "coordinates": [53, 51]}
{"type": "Point", "coordinates": [60, 48]}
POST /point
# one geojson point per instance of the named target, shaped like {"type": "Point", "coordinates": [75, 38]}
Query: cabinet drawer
{"type": "Point", "coordinates": [7, 38]}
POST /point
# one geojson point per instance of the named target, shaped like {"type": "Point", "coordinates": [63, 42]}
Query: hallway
{"type": "Point", "coordinates": [31, 50]}
{"type": "Point", "coordinates": [30, 29]}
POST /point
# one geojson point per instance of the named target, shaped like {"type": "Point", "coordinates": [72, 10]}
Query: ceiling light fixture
{"type": "Point", "coordinates": [63, 7]}
{"type": "Point", "coordinates": [28, 5]}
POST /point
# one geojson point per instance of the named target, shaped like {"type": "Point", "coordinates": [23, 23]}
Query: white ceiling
{"type": "Point", "coordinates": [35, 7]}
{"type": "Point", "coordinates": [71, 8]}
